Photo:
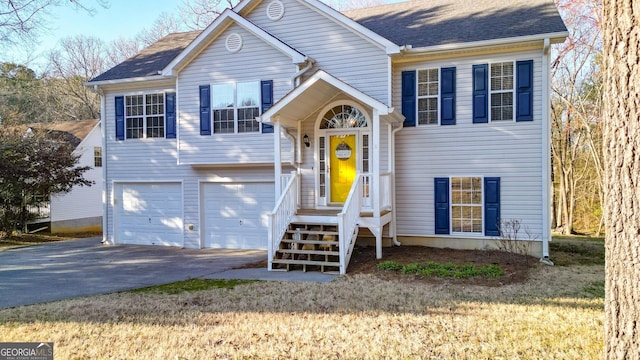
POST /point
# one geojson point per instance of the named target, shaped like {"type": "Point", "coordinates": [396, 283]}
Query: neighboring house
{"type": "Point", "coordinates": [79, 210]}
{"type": "Point", "coordinates": [288, 126]}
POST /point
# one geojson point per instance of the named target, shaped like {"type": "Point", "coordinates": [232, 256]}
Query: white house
{"type": "Point", "coordinates": [80, 210]}
{"type": "Point", "coordinates": [288, 126]}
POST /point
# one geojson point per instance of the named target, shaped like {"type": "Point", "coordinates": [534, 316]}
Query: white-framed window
{"type": "Point", "coordinates": [502, 91]}
{"type": "Point", "coordinates": [144, 116]}
{"type": "Point", "coordinates": [235, 107]}
{"type": "Point", "coordinates": [97, 156]}
{"type": "Point", "coordinates": [466, 205]}
{"type": "Point", "coordinates": [428, 96]}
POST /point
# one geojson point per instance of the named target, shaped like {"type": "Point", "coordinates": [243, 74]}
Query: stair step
{"type": "Point", "coordinates": [305, 262]}
{"type": "Point", "coordinates": [312, 232]}
{"type": "Point", "coordinates": [311, 242]}
{"type": "Point", "coordinates": [309, 252]}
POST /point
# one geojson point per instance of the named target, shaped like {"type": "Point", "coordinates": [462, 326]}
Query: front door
{"type": "Point", "coordinates": [342, 166]}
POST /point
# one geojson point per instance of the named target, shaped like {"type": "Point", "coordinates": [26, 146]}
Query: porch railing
{"type": "Point", "coordinates": [367, 192]}
{"type": "Point", "coordinates": [348, 221]}
{"type": "Point", "coordinates": [282, 214]}
{"type": "Point", "coordinates": [385, 191]}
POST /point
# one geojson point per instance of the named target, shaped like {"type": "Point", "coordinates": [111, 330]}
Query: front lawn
{"type": "Point", "coordinates": [556, 313]}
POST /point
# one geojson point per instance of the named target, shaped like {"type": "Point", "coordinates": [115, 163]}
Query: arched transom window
{"type": "Point", "coordinates": [343, 117]}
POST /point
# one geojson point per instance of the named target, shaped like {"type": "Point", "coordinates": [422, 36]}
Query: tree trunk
{"type": "Point", "coordinates": [621, 37]}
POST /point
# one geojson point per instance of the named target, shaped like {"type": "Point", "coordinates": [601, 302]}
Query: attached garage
{"type": "Point", "coordinates": [149, 213]}
{"type": "Point", "coordinates": [235, 215]}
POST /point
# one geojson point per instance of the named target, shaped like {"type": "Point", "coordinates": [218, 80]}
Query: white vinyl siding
{"type": "Point", "coordinates": [130, 162]}
{"type": "Point", "coordinates": [509, 150]}
{"type": "Point", "coordinates": [335, 49]}
{"type": "Point", "coordinates": [242, 66]}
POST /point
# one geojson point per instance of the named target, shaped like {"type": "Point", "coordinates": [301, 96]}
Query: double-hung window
{"type": "Point", "coordinates": [428, 91]}
{"type": "Point", "coordinates": [235, 107]}
{"type": "Point", "coordinates": [466, 205]}
{"type": "Point", "coordinates": [144, 116]}
{"type": "Point", "coordinates": [502, 91]}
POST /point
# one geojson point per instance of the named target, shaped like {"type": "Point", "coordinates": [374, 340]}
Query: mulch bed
{"type": "Point", "coordinates": [363, 261]}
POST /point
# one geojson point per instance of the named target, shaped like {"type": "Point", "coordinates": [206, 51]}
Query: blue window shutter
{"type": "Point", "coordinates": [448, 96]}
{"type": "Point", "coordinates": [205, 110]}
{"type": "Point", "coordinates": [170, 116]}
{"type": "Point", "coordinates": [492, 206]}
{"type": "Point", "coordinates": [524, 90]}
{"type": "Point", "coordinates": [119, 117]}
{"type": "Point", "coordinates": [409, 97]}
{"type": "Point", "coordinates": [441, 186]}
{"type": "Point", "coordinates": [266, 90]}
{"type": "Point", "coordinates": [480, 93]}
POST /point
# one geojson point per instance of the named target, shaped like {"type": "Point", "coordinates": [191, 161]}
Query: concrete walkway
{"type": "Point", "coordinates": [85, 267]}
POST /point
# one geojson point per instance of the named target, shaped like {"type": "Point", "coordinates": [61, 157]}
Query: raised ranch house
{"type": "Point", "coordinates": [288, 126]}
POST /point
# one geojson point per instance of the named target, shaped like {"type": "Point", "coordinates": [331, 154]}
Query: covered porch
{"type": "Point", "coordinates": [341, 178]}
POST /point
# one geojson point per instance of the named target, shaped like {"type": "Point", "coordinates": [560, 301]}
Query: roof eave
{"type": "Point", "coordinates": [139, 79]}
{"type": "Point", "coordinates": [554, 38]}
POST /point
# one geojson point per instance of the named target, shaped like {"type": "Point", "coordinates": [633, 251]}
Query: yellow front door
{"type": "Point", "coordinates": [342, 157]}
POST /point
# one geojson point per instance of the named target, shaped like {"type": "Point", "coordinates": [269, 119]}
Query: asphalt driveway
{"type": "Point", "coordinates": [85, 267]}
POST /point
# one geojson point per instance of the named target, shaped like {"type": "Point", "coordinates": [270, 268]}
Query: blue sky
{"type": "Point", "coordinates": [122, 18]}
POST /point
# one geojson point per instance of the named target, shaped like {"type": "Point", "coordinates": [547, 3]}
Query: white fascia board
{"type": "Point", "coordinates": [132, 80]}
{"type": "Point", "coordinates": [324, 76]}
{"type": "Point", "coordinates": [227, 16]}
{"type": "Point", "coordinates": [339, 17]}
{"type": "Point", "coordinates": [554, 37]}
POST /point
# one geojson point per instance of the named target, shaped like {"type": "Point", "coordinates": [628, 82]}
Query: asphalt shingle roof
{"type": "Point", "coordinates": [419, 23]}
{"type": "Point", "coordinates": [423, 23]}
{"type": "Point", "coordinates": [151, 59]}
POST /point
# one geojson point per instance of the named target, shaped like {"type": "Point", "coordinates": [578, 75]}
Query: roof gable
{"type": "Point", "coordinates": [215, 29]}
{"type": "Point", "coordinates": [246, 6]}
{"type": "Point", "coordinates": [424, 23]}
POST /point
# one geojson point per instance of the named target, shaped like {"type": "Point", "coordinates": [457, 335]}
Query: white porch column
{"type": "Point", "coordinates": [375, 180]}
{"type": "Point", "coordinates": [277, 159]}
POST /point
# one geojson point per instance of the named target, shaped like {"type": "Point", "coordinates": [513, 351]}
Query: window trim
{"type": "Point", "coordinates": [235, 108]}
{"type": "Point", "coordinates": [437, 96]}
{"type": "Point", "coordinates": [512, 91]}
{"type": "Point", "coordinates": [481, 233]}
{"type": "Point", "coordinates": [144, 115]}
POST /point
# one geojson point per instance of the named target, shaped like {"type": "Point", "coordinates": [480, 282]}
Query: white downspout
{"type": "Point", "coordinates": [546, 151]}
{"type": "Point", "coordinates": [103, 140]}
{"type": "Point", "coordinates": [392, 159]}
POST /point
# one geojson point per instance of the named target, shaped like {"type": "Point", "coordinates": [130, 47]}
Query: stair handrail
{"type": "Point", "coordinates": [281, 215]}
{"type": "Point", "coordinates": [348, 221]}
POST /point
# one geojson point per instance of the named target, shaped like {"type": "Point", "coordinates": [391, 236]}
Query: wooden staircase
{"type": "Point", "coordinates": [309, 246]}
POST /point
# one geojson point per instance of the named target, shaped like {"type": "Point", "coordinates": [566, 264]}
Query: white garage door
{"type": "Point", "coordinates": [236, 215]}
{"type": "Point", "coordinates": [149, 214]}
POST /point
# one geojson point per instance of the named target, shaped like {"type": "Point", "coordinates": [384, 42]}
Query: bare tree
{"type": "Point", "coordinates": [198, 14]}
{"type": "Point", "coordinates": [621, 21]}
{"type": "Point", "coordinates": [22, 20]}
{"type": "Point", "coordinates": [576, 134]}
{"type": "Point", "coordinates": [77, 60]}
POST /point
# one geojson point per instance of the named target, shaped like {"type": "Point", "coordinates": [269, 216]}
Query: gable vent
{"type": "Point", "coordinates": [234, 42]}
{"type": "Point", "coordinates": [275, 10]}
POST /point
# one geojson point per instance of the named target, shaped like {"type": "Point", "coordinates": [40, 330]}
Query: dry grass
{"type": "Point", "coordinates": [551, 316]}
